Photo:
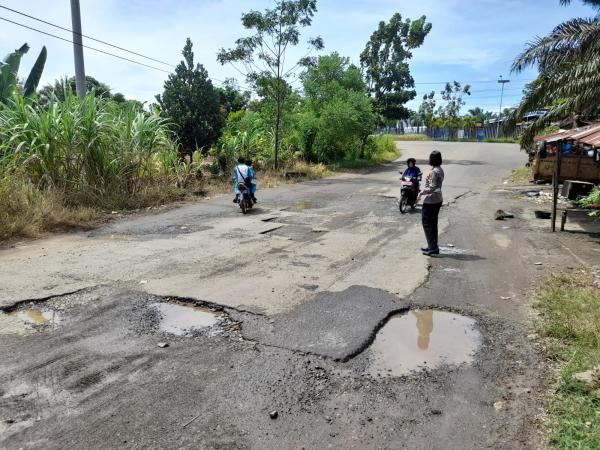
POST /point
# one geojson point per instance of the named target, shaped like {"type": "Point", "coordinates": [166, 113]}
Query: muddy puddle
{"type": "Point", "coordinates": [304, 204]}
{"type": "Point", "coordinates": [25, 320]}
{"type": "Point", "coordinates": [37, 316]}
{"type": "Point", "coordinates": [182, 318]}
{"type": "Point", "coordinates": [423, 339]}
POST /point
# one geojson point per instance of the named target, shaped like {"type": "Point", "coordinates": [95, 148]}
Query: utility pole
{"type": "Point", "coordinates": [78, 49]}
{"type": "Point", "coordinates": [502, 82]}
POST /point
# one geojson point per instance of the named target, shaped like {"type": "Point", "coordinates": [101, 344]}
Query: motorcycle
{"type": "Point", "coordinates": [245, 198]}
{"type": "Point", "coordinates": [409, 191]}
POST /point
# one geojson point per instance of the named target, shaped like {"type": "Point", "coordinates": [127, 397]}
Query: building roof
{"type": "Point", "coordinates": [590, 134]}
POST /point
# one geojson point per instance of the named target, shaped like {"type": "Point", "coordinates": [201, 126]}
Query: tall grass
{"type": "Point", "coordinates": [85, 153]}
{"type": "Point", "coordinates": [90, 149]}
{"type": "Point", "coordinates": [568, 303]}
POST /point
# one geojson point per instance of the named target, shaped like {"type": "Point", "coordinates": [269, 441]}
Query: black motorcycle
{"type": "Point", "coordinates": [409, 191]}
{"type": "Point", "coordinates": [245, 197]}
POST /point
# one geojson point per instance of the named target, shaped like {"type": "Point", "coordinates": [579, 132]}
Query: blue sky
{"type": "Point", "coordinates": [471, 41]}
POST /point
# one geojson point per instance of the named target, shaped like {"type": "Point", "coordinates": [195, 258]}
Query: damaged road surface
{"type": "Point", "coordinates": [312, 322]}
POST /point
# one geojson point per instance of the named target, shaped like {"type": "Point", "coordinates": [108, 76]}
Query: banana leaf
{"type": "Point", "coordinates": [36, 73]}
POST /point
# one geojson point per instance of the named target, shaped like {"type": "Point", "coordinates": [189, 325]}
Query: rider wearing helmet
{"type": "Point", "coordinates": [412, 171]}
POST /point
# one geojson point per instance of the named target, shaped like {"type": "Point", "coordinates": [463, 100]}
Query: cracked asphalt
{"type": "Point", "coordinates": [304, 283]}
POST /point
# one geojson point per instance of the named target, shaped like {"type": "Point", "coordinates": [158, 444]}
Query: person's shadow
{"type": "Point", "coordinates": [460, 256]}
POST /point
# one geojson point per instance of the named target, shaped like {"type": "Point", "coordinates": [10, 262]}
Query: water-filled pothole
{"type": "Point", "coordinates": [183, 318]}
{"type": "Point", "coordinates": [37, 316]}
{"type": "Point", "coordinates": [423, 339]}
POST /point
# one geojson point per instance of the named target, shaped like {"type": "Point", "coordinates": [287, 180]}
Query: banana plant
{"type": "Point", "coordinates": [9, 69]}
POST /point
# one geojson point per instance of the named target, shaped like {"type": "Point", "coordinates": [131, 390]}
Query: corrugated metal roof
{"type": "Point", "coordinates": [592, 139]}
{"type": "Point", "coordinates": [590, 134]}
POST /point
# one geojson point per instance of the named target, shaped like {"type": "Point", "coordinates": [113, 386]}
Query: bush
{"type": "Point", "coordinates": [592, 201]}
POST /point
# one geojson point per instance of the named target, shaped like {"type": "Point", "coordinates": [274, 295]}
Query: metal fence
{"type": "Point", "coordinates": [488, 131]}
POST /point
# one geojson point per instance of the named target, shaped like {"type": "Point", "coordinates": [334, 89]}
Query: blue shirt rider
{"type": "Point", "coordinates": [242, 171]}
{"type": "Point", "coordinates": [252, 175]}
{"type": "Point", "coordinates": [412, 171]}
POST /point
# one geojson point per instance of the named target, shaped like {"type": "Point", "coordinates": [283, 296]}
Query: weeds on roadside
{"type": "Point", "coordinates": [570, 310]}
{"type": "Point", "coordinates": [521, 174]}
{"type": "Point", "coordinates": [407, 137]}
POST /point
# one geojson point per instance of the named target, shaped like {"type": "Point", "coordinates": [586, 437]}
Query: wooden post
{"type": "Point", "coordinates": [555, 177]}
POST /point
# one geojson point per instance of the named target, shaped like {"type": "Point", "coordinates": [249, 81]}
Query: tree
{"type": "Point", "coordinates": [568, 60]}
{"type": "Point", "coordinates": [427, 108]}
{"type": "Point", "coordinates": [385, 64]}
{"type": "Point", "coordinates": [192, 104]}
{"type": "Point", "coordinates": [57, 90]}
{"type": "Point", "coordinates": [453, 95]}
{"type": "Point", "coordinates": [9, 69]}
{"type": "Point", "coordinates": [338, 115]}
{"type": "Point", "coordinates": [263, 53]}
{"type": "Point", "coordinates": [231, 98]}
{"type": "Point", "coordinates": [481, 115]}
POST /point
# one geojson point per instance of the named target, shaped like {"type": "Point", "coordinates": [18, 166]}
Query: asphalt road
{"type": "Point", "coordinates": [302, 286]}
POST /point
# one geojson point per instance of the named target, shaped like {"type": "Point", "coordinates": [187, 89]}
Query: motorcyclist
{"type": "Point", "coordinates": [241, 173]}
{"type": "Point", "coordinates": [412, 170]}
{"type": "Point", "coordinates": [252, 175]}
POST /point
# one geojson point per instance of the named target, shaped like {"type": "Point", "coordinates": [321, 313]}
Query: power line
{"type": "Point", "coordinates": [86, 36]}
{"type": "Point", "coordinates": [472, 82]}
{"type": "Point", "coordinates": [85, 46]}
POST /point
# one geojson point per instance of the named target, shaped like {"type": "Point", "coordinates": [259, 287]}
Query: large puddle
{"type": "Point", "coordinates": [423, 339]}
{"type": "Point", "coordinates": [182, 318]}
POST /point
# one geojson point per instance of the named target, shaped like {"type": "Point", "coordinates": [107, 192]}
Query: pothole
{"type": "Point", "coordinates": [37, 316]}
{"type": "Point", "coordinates": [26, 319]}
{"type": "Point", "coordinates": [423, 339]}
{"type": "Point", "coordinates": [304, 204]}
{"type": "Point", "coordinates": [181, 319]}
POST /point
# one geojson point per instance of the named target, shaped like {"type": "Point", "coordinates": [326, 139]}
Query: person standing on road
{"type": "Point", "coordinates": [432, 202]}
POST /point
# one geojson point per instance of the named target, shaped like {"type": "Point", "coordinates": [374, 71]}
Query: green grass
{"type": "Point", "coordinates": [407, 137]}
{"type": "Point", "coordinates": [504, 140]}
{"type": "Point", "coordinates": [570, 309]}
{"type": "Point", "coordinates": [384, 151]}
{"type": "Point", "coordinates": [521, 174]}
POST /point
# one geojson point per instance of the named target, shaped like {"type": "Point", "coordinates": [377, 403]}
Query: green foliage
{"type": "Point", "coordinates": [246, 134]}
{"type": "Point", "coordinates": [338, 116]}
{"type": "Point", "coordinates": [427, 108]}
{"type": "Point", "coordinates": [10, 69]}
{"type": "Point", "coordinates": [480, 115]}
{"type": "Point", "coordinates": [407, 137]}
{"type": "Point", "coordinates": [263, 53]}
{"type": "Point", "coordinates": [568, 85]}
{"type": "Point", "coordinates": [385, 63]}
{"type": "Point", "coordinates": [35, 74]}
{"type": "Point", "coordinates": [58, 90]}
{"type": "Point", "coordinates": [92, 150]}
{"type": "Point", "coordinates": [230, 98]}
{"type": "Point", "coordinates": [453, 95]}
{"type": "Point", "coordinates": [571, 318]}
{"type": "Point", "coordinates": [378, 150]}
{"type": "Point", "coordinates": [592, 201]}
{"type": "Point", "coordinates": [191, 104]}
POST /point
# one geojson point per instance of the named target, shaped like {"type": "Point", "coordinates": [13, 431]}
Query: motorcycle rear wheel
{"type": "Point", "coordinates": [243, 204]}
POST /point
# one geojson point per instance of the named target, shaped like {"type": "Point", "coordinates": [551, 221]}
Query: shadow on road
{"type": "Point", "coordinates": [461, 257]}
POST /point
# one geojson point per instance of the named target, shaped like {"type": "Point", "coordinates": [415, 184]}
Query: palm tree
{"type": "Point", "coordinates": [568, 60]}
